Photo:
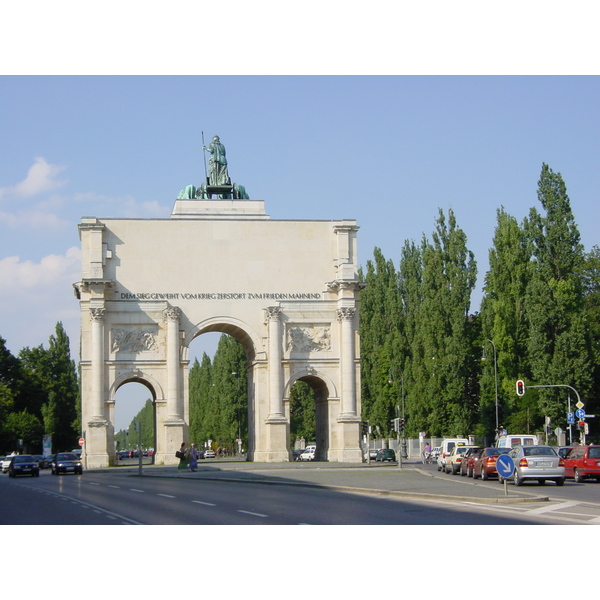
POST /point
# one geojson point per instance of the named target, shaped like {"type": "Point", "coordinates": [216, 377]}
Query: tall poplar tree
{"type": "Point", "coordinates": [558, 344]}
{"type": "Point", "coordinates": [440, 392]}
{"type": "Point", "coordinates": [381, 345]}
{"type": "Point", "coordinates": [505, 327]}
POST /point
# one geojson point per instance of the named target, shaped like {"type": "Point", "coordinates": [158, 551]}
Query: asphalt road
{"type": "Point", "coordinates": [165, 498]}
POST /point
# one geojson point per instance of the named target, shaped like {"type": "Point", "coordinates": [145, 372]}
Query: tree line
{"type": "Point", "coordinates": [422, 347]}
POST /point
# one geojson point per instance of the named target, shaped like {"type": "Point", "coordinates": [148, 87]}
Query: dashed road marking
{"type": "Point", "coordinates": [254, 514]}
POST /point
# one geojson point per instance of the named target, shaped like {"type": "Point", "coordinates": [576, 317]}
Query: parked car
{"type": "Point", "coordinates": [583, 462]}
{"type": "Point", "coordinates": [435, 452]}
{"type": "Point", "coordinates": [41, 461]}
{"type": "Point", "coordinates": [452, 461]}
{"type": "Point", "coordinates": [296, 453]}
{"type": "Point", "coordinates": [66, 462]}
{"type": "Point", "coordinates": [445, 449]}
{"type": "Point", "coordinates": [484, 464]}
{"type": "Point", "coordinates": [520, 439]}
{"type": "Point", "coordinates": [6, 462]}
{"type": "Point", "coordinates": [209, 454]}
{"type": "Point", "coordinates": [563, 450]}
{"type": "Point", "coordinates": [536, 462]}
{"type": "Point", "coordinates": [385, 454]}
{"type": "Point", "coordinates": [23, 464]}
{"type": "Point", "coordinates": [372, 454]}
{"type": "Point", "coordinates": [466, 463]}
{"type": "Point", "coordinates": [308, 454]}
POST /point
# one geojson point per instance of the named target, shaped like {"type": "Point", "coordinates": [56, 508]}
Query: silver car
{"type": "Point", "coordinates": [536, 462]}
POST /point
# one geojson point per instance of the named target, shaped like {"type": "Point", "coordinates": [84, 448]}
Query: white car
{"type": "Point", "coordinates": [308, 454]}
{"type": "Point", "coordinates": [6, 463]}
{"type": "Point", "coordinates": [209, 454]}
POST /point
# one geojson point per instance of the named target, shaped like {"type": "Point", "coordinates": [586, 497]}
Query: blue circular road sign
{"type": "Point", "coordinates": [580, 413]}
{"type": "Point", "coordinates": [505, 465]}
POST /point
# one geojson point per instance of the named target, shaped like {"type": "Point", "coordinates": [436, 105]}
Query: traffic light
{"type": "Point", "coordinates": [520, 388]}
{"type": "Point", "coordinates": [365, 427]}
{"type": "Point", "coordinates": [400, 424]}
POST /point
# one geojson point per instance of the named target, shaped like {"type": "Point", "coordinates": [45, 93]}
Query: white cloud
{"type": "Point", "coordinates": [20, 276]}
{"type": "Point", "coordinates": [41, 178]}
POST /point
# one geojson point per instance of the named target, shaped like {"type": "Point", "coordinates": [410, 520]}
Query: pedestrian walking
{"type": "Point", "coordinates": [183, 455]}
{"type": "Point", "coordinates": [193, 458]}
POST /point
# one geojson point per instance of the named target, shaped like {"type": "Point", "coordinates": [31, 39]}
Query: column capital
{"type": "Point", "coordinates": [346, 314]}
{"type": "Point", "coordinates": [172, 314]}
{"type": "Point", "coordinates": [97, 314]}
{"type": "Point", "coordinates": [274, 313]}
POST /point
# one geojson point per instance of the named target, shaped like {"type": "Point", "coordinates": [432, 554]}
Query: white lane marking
{"type": "Point", "coordinates": [204, 503]}
{"type": "Point", "coordinates": [247, 512]}
{"type": "Point", "coordinates": [116, 487]}
{"type": "Point", "coordinates": [134, 490]}
{"type": "Point", "coordinates": [166, 496]}
{"type": "Point", "coordinates": [544, 509]}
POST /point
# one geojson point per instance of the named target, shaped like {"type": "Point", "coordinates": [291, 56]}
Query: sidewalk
{"type": "Point", "coordinates": [383, 479]}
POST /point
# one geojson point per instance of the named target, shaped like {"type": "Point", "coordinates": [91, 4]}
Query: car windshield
{"type": "Point", "coordinates": [594, 452]}
{"type": "Point", "coordinates": [24, 458]}
{"type": "Point", "coordinates": [539, 451]}
{"type": "Point", "coordinates": [66, 456]}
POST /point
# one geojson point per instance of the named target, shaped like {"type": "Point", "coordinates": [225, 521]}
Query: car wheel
{"type": "Point", "coordinates": [518, 480]}
{"type": "Point", "coordinates": [577, 476]}
{"type": "Point", "coordinates": [560, 481]}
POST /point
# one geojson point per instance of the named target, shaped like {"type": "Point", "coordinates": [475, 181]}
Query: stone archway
{"type": "Point", "coordinates": [287, 290]}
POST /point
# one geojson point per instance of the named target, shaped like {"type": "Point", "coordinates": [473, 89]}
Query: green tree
{"type": "Point", "coordinates": [302, 413]}
{"type": "Point", "coordinates": [440, 383]}
{"type": "Point", "coordinates": [505, 326]}
{"type": "Point", "coordinates": [27, 428]}
{"type": "Point", "coordinates": [559, 347]}
{"type": "Point", "coordinates": [52, 375]}
{"type": "Point", "coordinates": [381, 343]}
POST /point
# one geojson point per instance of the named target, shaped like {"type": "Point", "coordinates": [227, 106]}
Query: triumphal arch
{"type": "Point", "coordinates": [287, 290]}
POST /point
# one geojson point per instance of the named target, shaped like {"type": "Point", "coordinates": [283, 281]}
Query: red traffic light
{"type": "Point", "coordinates": [520, 388]}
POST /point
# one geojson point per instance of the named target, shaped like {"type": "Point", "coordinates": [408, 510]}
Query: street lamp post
{"type": "Point", "coordinates": [402, 447]}
{"type": "Point", "coordinates": [239, 443]}
{"type": "Point", "coordinates": [495, 375]}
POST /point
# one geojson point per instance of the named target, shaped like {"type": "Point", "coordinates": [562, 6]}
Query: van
{"type": "Point", "coordinates": [523, 439]}
{"type": "Point", "coordinates": [446, 448]}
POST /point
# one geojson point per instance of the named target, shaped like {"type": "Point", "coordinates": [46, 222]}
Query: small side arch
{"type": "Point", "coordinates": [321, 383]}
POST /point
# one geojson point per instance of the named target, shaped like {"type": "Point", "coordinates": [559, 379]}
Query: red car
{"type": "Point", "coordinates": [484, 464]}
{"type": "Point", "coordinates": [466, 463]}
{"type": "Point", "coordinates": [583, 462]}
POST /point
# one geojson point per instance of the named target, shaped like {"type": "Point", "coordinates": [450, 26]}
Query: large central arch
{"type": "Point", "coordinates": [286, 290]}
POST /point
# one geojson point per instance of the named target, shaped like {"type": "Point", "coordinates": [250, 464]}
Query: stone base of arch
{"type": "Point", "coordinates": [95, 453]}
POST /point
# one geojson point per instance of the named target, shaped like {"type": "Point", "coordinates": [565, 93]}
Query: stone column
{"type": "Point", "coordinates": [174, 402]}
{"type": "Point", "coordinates": [97, 404]}
{"type": "Point", "coordinates": [347, 353]}
{"type": "Point", "coordinates": [275, 367]}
